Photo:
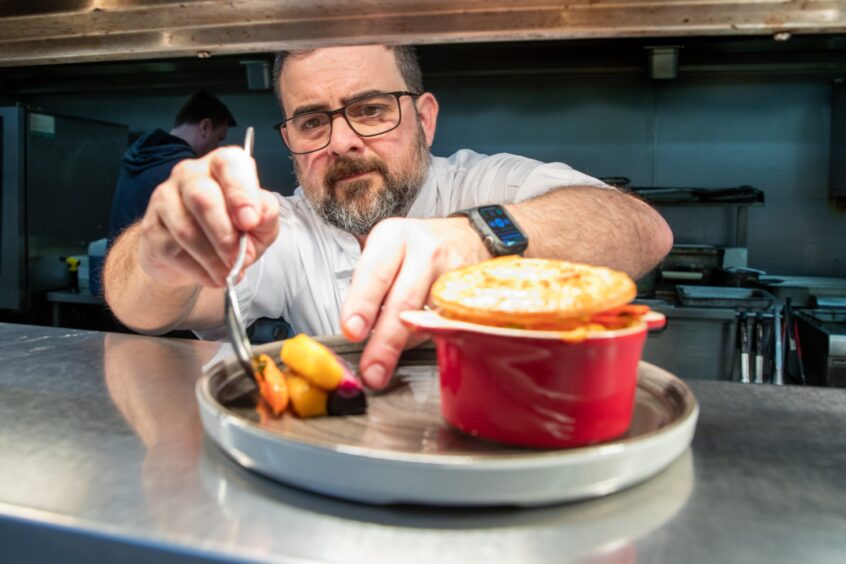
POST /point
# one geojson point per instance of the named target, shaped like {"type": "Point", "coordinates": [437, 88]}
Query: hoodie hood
{"type": "Point", "coordinates": [154, 149]}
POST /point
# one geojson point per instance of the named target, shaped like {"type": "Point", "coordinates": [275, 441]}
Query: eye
{"type": "Point", "coordinates": [372, 110]}
{"type": "Point", "coordinates": [308, 123]}
{"type": "Point", "coordinates": [368, 110]}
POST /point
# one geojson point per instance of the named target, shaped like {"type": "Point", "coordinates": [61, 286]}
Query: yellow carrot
{"type": "Point", "coordinates": [307, 400]}
{"type": "Point", "coordinates": [312, 361]}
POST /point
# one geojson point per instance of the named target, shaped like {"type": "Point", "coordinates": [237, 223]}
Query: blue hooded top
{"type": "Point", "coordinates": [146, 164]}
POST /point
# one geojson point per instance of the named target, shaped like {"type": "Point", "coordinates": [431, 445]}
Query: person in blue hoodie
{"type": "Point", "coordinates": [200, 126]}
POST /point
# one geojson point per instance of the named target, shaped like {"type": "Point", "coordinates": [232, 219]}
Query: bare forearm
{"type": "Point", "coordinates": [596, 226]}
{"type": "Point", "coordinates": [136, 299]}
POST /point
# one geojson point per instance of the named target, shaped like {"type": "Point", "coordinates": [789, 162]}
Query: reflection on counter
{"type": "Point", "coordinates": [603, 530]}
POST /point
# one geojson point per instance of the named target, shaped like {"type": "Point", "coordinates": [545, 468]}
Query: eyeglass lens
{"type": "Point", "coordinates": [367, 117]}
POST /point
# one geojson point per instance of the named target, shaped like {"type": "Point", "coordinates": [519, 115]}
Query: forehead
{"type": "Point", "coordinates": [324, 76]}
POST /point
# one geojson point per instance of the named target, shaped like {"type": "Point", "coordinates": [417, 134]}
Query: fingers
{"type": "Point", "coordinates": [268, 227]}
{"type": "Point", "coordinates": [195, 217]}
{"type": "Point", "coordinates": [203, 206]}
{"type": "Point", "coordinates": [390, 336]}
{"type": "Point", "coordinates": [264, 233]}
{"type": "Point", "coordinates": [165, 261]}
{"type": "Point", "coordinates": [191, 240]}
{"type": "Point", "coordinates": [373, 277]}
{"type": "Point", "coordinates": [406, 290]}
{"type": "Point", "coordinates": [235, 172]}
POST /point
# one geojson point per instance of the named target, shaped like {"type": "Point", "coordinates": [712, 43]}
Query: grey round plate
{"type": "Point", "coordinates": [402, 451]}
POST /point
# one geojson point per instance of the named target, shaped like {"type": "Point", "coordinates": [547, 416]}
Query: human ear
{"type": "Point", "coordinates": [206, 127]}
{"type": "Point", "coordinates": [427, 110]}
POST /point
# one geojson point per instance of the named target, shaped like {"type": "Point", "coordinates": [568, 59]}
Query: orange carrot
{"type": "Point", "coordinates": [272, 385]}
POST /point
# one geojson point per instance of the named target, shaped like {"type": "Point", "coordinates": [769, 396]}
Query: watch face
{"type": "Point", "coordinates": [502, 226]}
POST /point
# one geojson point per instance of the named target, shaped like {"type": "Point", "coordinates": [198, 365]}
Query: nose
{"type": "Point", "coordinates": [342, 138]}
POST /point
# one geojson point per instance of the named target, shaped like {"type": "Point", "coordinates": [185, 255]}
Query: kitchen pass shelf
{"type": "Point", "coordinates": [741, 198]}
{"type": "Point", "coordinates": [724, 297]}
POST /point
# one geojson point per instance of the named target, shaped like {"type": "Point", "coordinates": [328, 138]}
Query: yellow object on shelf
{"type": "Point", "coordinates": [73, 263]}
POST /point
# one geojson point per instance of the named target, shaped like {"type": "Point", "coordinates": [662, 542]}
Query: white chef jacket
{"type": "Point", "coordinates": [304, 275]}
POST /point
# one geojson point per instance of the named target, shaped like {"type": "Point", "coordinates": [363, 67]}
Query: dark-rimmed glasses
{"type": "Point", "coordinates": [367, 116]}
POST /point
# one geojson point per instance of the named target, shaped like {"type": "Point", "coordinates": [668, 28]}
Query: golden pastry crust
{"type": "Point", "coordinates": [528, 293]}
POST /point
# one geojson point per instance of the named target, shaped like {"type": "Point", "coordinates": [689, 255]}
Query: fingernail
{"type": "Point", "coordinates": [355, 326]}
{"type": "Point", "coordinates": [247, 217]}
{"type": "Point", "coordinates": [374, 375]}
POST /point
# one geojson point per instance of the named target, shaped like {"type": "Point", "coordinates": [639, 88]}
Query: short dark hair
{"type": "Point", "coordinates": [202, 105]}
{"type": "Point", "coordinates": [405, 55]}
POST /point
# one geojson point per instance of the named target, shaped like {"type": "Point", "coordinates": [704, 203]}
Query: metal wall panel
{"type": "Point", "coordinates": [12, 241]}
{"type": "Point", "coordinates": [72, 167]}
{"type": "Point", "coordinates": [58, 31]}
{"type": "Point", "coordinates": [771, 132]}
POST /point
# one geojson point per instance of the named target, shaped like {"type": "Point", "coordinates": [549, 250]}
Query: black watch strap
{"type": "Point", "coordinates": [499, 231]}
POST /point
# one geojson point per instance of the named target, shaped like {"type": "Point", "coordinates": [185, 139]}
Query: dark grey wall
{"type": "Point", "coordinates": [772, 134]}
{"type": "Point", "coordinates": [708, 131]}
{"type": "Point", "coordinates": [143, 113]}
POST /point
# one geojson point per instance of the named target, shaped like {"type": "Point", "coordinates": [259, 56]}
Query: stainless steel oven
{"type": "Point", "coordinates": [58, 176]}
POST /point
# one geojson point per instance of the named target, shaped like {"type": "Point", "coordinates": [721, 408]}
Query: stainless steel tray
{"type": "Point", "coordinates": [402, 451]}
{"type": "Point", "coordinates": [724, 297]}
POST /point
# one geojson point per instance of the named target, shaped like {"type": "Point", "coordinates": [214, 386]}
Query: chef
{"type": "Point", "coordinates": [374, 221]}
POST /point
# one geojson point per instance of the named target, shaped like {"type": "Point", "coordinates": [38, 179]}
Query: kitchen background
{"type": "Point", "coordinates": [736, 116]}
{"type": "Point", "coordinates": [731, 112]}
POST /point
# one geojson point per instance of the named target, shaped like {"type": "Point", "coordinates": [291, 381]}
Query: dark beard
{"type": "Point", "coordinates": [349, 209]}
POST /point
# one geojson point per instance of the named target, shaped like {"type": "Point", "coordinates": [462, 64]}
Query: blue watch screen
{"type": "Point", "coordinates": [502, 226]}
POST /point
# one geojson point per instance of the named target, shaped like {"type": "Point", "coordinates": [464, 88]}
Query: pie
{"type": "Point", "coordinates": [538, 294]}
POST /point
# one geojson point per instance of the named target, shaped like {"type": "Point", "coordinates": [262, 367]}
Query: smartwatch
{"type": "Point", "coordinates": [498, 230]}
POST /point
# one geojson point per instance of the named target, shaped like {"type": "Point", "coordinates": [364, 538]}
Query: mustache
{"type": "Point", "coordinates": [349, 166]}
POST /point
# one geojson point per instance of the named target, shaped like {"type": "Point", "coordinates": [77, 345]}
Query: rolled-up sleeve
{"type": "Point", "coordinates": [541, 179]}
{"type": "Point", "coordinates": [504, 178]}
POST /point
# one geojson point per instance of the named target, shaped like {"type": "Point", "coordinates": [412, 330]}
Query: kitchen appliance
{"type": "Point", "coordinates": [822, 346]}
{"type": "Point", "coordinates": [58, 175]}
{"type": "Point", "coordinates": [804, 291]}
{"type": "Point", "coordinates": [688, 265]}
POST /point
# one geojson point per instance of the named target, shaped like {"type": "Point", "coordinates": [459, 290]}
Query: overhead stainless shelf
{"type": "Point", "coordinates": [69, 31]}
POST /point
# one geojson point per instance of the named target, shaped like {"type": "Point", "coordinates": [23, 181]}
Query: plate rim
{"type": "Point", "coordinates": [529, 456]}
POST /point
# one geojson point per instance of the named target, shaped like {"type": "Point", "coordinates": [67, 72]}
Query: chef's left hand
{"type": "Point", "coordinates": [400, 261]}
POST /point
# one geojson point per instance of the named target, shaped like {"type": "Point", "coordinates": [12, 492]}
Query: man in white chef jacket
{"type": "Point", "coordinates": [368, 230]}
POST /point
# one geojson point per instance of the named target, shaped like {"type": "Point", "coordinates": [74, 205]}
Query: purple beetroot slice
{"type": "Point", "coordinates": [348, 398]}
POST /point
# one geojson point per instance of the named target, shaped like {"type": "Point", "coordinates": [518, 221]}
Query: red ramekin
{"type": "Point", "coordinates": [533, 388]}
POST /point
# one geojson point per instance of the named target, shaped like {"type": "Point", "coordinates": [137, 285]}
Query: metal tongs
{"type": "Point", "coordinates": [232, 313]}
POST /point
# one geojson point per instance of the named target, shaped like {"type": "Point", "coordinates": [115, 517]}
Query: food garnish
{"type": "Point", "coordinates": [307, 400]}
{"type": "Point", "coordinates": [271, 383]}
{"type": "Point", "coordinates": [315, 381]}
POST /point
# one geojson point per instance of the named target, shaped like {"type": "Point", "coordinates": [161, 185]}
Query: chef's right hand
{"type": "Point", "coordinates": [190, 231]}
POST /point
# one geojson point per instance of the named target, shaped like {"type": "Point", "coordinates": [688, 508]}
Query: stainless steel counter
{"type": "Point", "coordinates": [103, 458]}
